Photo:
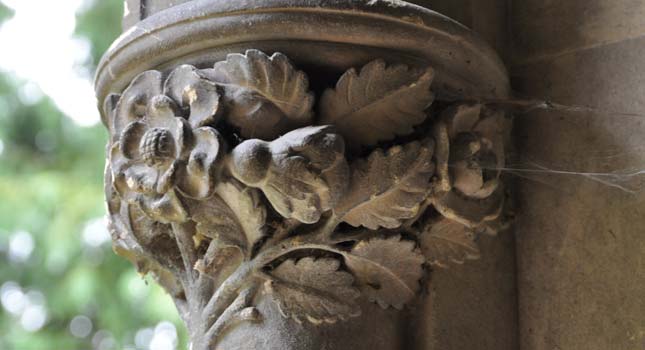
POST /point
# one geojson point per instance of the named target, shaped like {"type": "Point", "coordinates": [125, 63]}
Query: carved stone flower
{"type": "Point", "coordinates": [474, 154]}
{"type": "Point", "coordinates": [470, 155]}
{"type": "Point", "coordinates": [158, 152]}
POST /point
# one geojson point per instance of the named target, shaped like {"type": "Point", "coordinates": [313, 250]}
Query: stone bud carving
{"type": "Point", "coordinates": [303, 173]}
{"type": "Point", "coordinates": [274, 205]}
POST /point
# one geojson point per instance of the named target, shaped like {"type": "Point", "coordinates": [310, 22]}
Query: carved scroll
{"type": "Point", "coordinates": [226, 185]}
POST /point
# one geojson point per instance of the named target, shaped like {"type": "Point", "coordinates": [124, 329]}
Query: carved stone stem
{"type": "Point", "coordinates": [186, 247]}
{"type": "Point", "coordinates": [240, 310]}
{"type": "Point", "coordinates": [256, 206]}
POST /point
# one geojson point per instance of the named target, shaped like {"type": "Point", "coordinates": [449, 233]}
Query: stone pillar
{"type": "Point", "coordinates": [487, 18]}
{"type": "Point", "coordinates": [294, 172]}
{"type": "Point", "coordinates": [580, 237]}
{"type": "Point", "coordinates": [474, 305]}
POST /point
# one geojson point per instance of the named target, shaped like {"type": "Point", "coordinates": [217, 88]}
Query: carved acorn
{"type": "Point", "coordinates": [303, 173]}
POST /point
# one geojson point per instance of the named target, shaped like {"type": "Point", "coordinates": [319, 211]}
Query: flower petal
{"type": "Point", "coordinates": [133, 102]}
{"type": "Point", "coordinates": [491, 128]}
{"type": "Point", "coordinates": [462, 118]}
{"type": "Point", "coordinates": [183, 135]}
{"type": "Point", "coordinates": [487, 189]}
{"type": "Point", "coordinates": [468, 211]}
{"type": "Point", "coordinates": [131, 138]}
{"type": "Point", "coordinates": [109, 112]}
{"type": "Point", "coordinates": [167, 179]}
{"type": "Point", "coordinates": [141, 178]}
{"type": "Point", "coordinates": [162, 112]}
{"type": "Point", "coordinates": [118, 165]}
{"type": "Point", "coordinates": [467, 179]}
{"type": "Point", "coordinates": [190, 89]}
{"type": "Point", "coordinates": [166, 208]}
{"type": "Point", "coordinates": [197, 178]}
{"type": "Point", "coordinates": [464, 146]}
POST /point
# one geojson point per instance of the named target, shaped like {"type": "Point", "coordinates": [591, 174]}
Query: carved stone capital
{"type": "Point", "coordinates": [253, 190]}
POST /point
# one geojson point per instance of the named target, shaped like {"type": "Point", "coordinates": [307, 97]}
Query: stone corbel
{"type": "Point", "coordinates": [263, 195]}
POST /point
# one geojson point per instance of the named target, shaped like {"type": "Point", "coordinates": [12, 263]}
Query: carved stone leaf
{"type": "Point", "coordinates": [387, 270]}
{"type": "Point", "coordinates": [315, 290]}
{"type": "Point", "coordinates": [234, 215]}
{"type": "Point", "coordinates": [145, 230]}
{"type": "Point", "coordinates": [146, 244]}
{"type": "Point", "coordinates": [446, 242]}
{"type": "Point", "coordinates": [148, 265]}
{"type": "Point", "coordinates": [388, 188]}
{"type": "Point", "coordinates": [266, 96]}
{"type": "Point", "coordinates": [165, 208]}
{"type": "Point", "coordinates": [378, 104]}
{"type": "Point", "coordinates": [245, 202]}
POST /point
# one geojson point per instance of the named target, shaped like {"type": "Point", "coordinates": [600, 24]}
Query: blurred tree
{"type": "Point", "coordinates": [56, 260]}
{"type": "Point", "coordinates": [101, 24]}
{"type": "Point", "coordinates": [5, 12]}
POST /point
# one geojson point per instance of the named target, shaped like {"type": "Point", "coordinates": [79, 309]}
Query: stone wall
{"type": "Point", "coordinates": [580, 240]}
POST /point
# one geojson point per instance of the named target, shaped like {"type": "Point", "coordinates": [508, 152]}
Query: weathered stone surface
{"type": "Point", "coordinates": [470, 306]}
{"type": "Point", "coordinates": [580, 241]}
{"type": "Point", "coordinates": [487, 18]}
{"type": "Point", "coordinates": [544, 29]}
{"type": "Point", "coordinates": [345, 34]}
{"type": "Point", "coordinates": [263, 222]}
{"type": "Point", "coordinates": [380, 330]}
{"type": "Point", "coordinates": [273, 220]}
{"type": "Point", "coordinates": [579, 244]}
{"type": "Point", "coordinates": [138, 10]}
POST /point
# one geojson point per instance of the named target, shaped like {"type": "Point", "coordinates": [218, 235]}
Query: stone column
{"type": "Point", "coordinates": [580, 237]}
{"type": "Point", "coordinates": [293, 171]}
{"type": "Point", "coordinates": [473, 305]}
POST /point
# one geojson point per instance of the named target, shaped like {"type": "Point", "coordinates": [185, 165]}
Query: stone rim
{"type": "Point", "coordinates": [190, 32]}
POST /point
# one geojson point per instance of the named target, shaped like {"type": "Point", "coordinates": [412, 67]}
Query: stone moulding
{"type": "Point", "coordinates": [252, 177]}
{"type": "Point", "coordinates": [334, 35]}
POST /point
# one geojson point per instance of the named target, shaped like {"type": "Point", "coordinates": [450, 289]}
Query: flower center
{"type": "Point", "coordinates": [157, 146]}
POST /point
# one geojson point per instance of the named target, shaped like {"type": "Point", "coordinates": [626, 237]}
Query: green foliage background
{"type": "Point", "coordinates": [51, 186]}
